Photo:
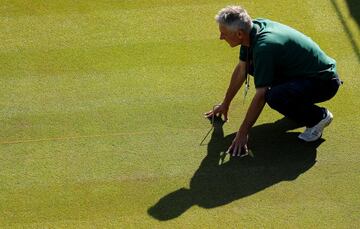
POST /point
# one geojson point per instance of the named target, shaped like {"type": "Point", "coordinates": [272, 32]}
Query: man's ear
{"type": "Point", "coordinates": [240, 34]}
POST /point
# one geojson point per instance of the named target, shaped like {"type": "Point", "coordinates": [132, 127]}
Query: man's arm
{"type": "Point", "coordinates": [253, 112]}
{"type": "Point", "coordinates": [237, 80]}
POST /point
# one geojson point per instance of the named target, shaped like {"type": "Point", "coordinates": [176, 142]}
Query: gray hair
{"type": "Point", "coordinates": [234, 18]}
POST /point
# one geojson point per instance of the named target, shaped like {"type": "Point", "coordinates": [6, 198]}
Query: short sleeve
{"type": "Point", "coordinates": [263, 69]}
{"type": "Point", "coordinates": [243, 53]}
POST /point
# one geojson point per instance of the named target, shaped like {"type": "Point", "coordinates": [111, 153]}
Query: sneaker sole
{"type": "Point", "coordinates": [327, 124]}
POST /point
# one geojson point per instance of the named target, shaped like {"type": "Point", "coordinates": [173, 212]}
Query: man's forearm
{"type": "Point", "coordinates": [254, 110]}
{"type": "Point", "coordinates": [237, 79]}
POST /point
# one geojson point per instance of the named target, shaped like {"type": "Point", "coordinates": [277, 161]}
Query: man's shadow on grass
{"type": "Point", "coordinates": [354, 8]}
{"type": "Point", "coordinates": [279, 156]}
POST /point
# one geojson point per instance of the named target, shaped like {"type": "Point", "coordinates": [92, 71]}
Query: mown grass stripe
{"type": "Point", "coordinates": [64, 138]}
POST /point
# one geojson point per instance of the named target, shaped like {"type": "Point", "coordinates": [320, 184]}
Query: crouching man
{"type": "Point", "coordinates": [291, 74]}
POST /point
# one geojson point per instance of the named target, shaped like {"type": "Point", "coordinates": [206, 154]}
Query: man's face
{"type": "Point", "coordinates": [232, 38]}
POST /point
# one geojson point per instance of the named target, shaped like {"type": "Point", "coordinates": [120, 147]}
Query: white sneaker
{"type": "Point", "coordinates": [315, 132]}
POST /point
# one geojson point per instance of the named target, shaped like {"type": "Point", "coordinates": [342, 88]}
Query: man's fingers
{"type": "Point", "coordinates": [229, 150]}
{"type": "Point", "coordinates": [234, 150]}
{"type": "Point", "coordinates": [214, 111]}
{"type": "Point", "coordinates": [239, 151]}
{"type": "Point", "coordinates": [209, 114]}
{"type": "Point", "coordinates": [246, 148]}
{"type": "Point", "coordinates": [225, 117]}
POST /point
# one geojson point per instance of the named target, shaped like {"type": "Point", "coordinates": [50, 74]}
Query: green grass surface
{"type": "Point", "coordinates": [101, 108]}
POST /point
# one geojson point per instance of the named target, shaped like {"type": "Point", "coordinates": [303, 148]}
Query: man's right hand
{"type": "Point", "coordinates": [218, 109]}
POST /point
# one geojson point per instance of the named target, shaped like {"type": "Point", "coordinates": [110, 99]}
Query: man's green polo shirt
{"type": "Point", "coordinates": [279, 53]}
